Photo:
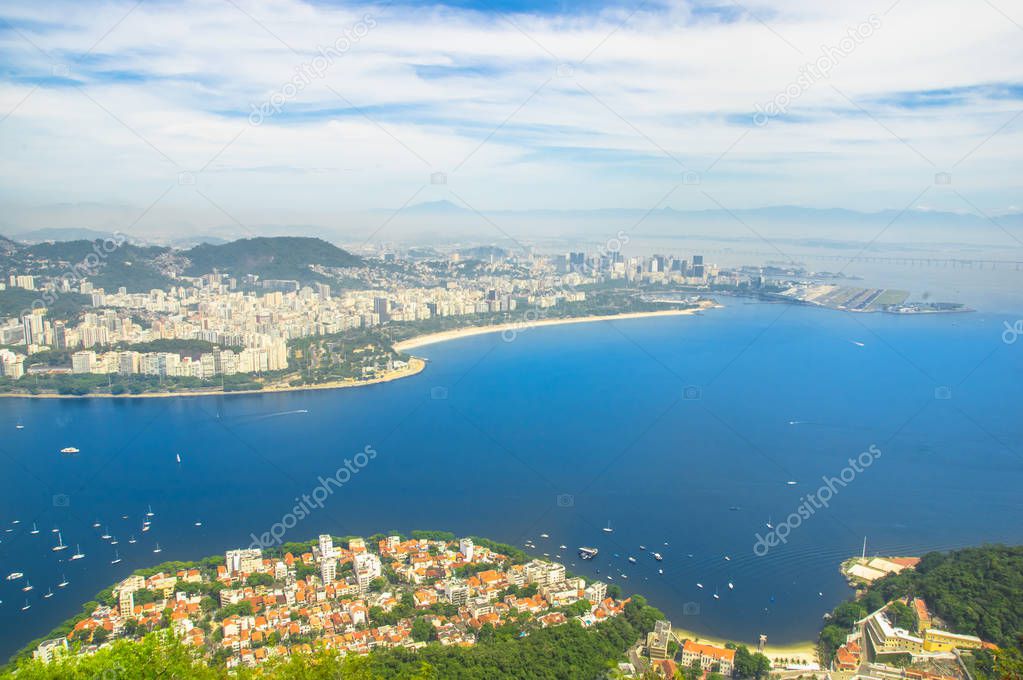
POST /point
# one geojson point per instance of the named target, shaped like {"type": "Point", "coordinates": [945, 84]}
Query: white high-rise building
{"type": "Point", "coordinates": [465, 546]}
{"type": "Point", "coordinates": [326, 546]}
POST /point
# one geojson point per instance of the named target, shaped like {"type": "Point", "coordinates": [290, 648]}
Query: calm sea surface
{"type": "Point", "coordinates": [657, 426]}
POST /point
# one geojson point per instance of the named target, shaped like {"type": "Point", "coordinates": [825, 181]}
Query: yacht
{"type": "Point", "coordinates": [27, 587]}
{"type": "Point", "coordinates": [19, 426]}
{"type": "Point", "coordinates": [731, 586]}
{"type": "Point", "coordinates": [106, 534]}
{"type": "Point", "coordinates": [63, 582]}
{"type": "Point", "coordinates": [699, 585]}
{"type": "Point", "coordinates": [69, 450]}
{"type": "Point", "coordinates": [145, 526]}
{"type": "Point", "coordinates": [544, 536]}
{"type": "Point", "coordinates": [60, 544]}
{"type": "Point", "coordinates": [198, 522]}
{"type": "Point", "coordinates": [178, 457]}
{"type": "Point", "coordinates": [657, 556]}
{"type": "Point", "coordinates": [48, 594]}
{"type": "Point", "coordinates": [117, 558]}
{"type": "Point", "coordinates": [563, 547]}
{"type": "Point", "coordinates": [588, 553]}
{"type": "Point", "coordinates": [157, 549]}
{"type": "Point", "coordinates": [632, 559]}
{"type": "Point", "coordinates": [716, 596]}
{"type": "Point", "coordinates": [608, 529]}
{"type": "Point", "coordinates": [14, 576]}
{"type": "Point", "coordinates": [660, 571]}
{"type": "Point", "coordinates": [78, 553]}
{"type": "Point", "coordinates": [642, 547]}
{"type": "Point", "coordinates": [149, 511]}
{"type": "Point", "coordinates": [26, 607]}
{"type": "Point", "coordinates": [35, 529]}
{"type": "Point", "coordinates": [54, 530]}
{"type": "Point", "coordinates": [132, 539]}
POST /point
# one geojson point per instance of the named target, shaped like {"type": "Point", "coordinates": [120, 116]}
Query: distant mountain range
{"type": "Point", "coordinates": [141, 267]}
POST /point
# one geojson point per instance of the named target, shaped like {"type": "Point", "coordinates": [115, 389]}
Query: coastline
{"type": "Point", "coordinates": [797, 652]}
{"type": "Point", "coordinates": [456, 333]}
{"type": "Point", "coordinates": [416, 364]}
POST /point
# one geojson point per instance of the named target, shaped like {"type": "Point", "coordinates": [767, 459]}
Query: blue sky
{"type": "Point", "coordinates": [295, 113]}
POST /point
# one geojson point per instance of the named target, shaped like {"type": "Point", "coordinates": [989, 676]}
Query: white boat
{"type": "Point", "coordinates": [157, 549]}
{"type": "Point", "coordinates": [35, 530]}
{"type": "Point", "coordinates": [69, 450]}
{"type": "Point", "coordinates": [632, 559]}
{"type": "Point", "coordinates": [660, 571]}
{"type": "Point", "coordinates": [657, 556]}
{"type": "Point", "coordinates": [699, 585]}
{"type": "Point", "coordinates": [26, 607]}
{"type": "Point", "coordinates": [15, 521]}
{"type": "Point", "coordinates": [731, 586]}
{"type": "Point", "coordinates": [563, 547]}
{"type": "Point", "coordinates": [78, 553]}
{"type": "Point", "coordinates": [145, 526]}
{"type": "Point", "coordinates": [113, 541]}
{"type": "Point", "coordinates": [54, 530]}
{"type": "Point", "coordinates": [791, 482]}
{"type": "Point", "coordinates": [178, 457]}
{"type": "Point", "coordinates": [544, 536]}
{"type": "Point", "coordinates": [96, 524]}
{"type": "Point", "coordinates": [728, 558]}
{"type": "Point", "coordinates": [106, 534]}
{"type": "Point", "coordinates": [63, 583]}
{"type": "Point", "coordinates": [608, 529]}
{"type": "Point", "coordinates": [27, 587]}
{"type": "Point", "coordinates": [19, 426]}
{"type": "Point", "coordinates": [716, 596]}
{"type": "Point", "coordinates": [60, 544]}
{"type": "Point", "coordinates": [48, 594]}
{"type": "Point", "coordinates": [198, 522]}
{"type": "Point", "coordinates": [625, 576]}
{"type": "Point", "coordinates": [149, 511]}
{"type": "Point", "coordinates": [14, 576]}
{"type": "Point", "coordinates": [131, 540]}
{"type": "Point", "coordinates": [642, 547]}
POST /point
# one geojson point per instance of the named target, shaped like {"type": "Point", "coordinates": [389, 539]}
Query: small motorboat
{"type": "Point", "coordinates": [699, 585]}
{"type": "Point", "coordinates": [14, 576]}
{"type": "Point", "coordinates": [69, 450]}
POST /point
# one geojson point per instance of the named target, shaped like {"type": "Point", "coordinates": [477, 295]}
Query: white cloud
{"type": "Point", "coordinates": [659, 84]}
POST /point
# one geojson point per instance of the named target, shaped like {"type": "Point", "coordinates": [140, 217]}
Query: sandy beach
{"type": "Point", "coordinates": [800, 652]}
{"type": "Point", "coordinates": [523, 326]}
{"type": "Point", "coordinates": [416, 365]}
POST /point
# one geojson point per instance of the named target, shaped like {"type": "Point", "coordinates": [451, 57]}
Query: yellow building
{"type": "Point", "coordinates": [942, 641]}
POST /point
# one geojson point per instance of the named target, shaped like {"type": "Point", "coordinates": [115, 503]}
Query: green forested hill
{"type": "Point", "coordinates": [977, 591]}
{"type": "Point", "coordinates": [283, 257]}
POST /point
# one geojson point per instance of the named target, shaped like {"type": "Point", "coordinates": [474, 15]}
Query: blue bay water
{"type": "Point", "coordinates": [561, 431]}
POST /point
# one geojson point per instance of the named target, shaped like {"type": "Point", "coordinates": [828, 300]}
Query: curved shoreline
{"type": "Point", "coordinates": [522, 326]}
{"type": "Point", "coordinates": [416, 364]}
